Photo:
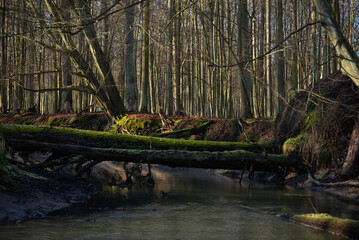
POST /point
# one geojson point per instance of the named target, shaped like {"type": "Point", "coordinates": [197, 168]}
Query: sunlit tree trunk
{"type": "Point", "coordinates": [145, 56]}
{"type": "Point", "coordinates": [177, 63]}
{"type": "Point", "coordinates": [268, 59]}
{"type": "Point", "coordinates": [169, 85]}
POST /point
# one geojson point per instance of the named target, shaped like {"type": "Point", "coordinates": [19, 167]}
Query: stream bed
{"type": "Point", "coordinates": [187, 204]}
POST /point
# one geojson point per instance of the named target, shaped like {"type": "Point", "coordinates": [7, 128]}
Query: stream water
{"type": "Point", "coordinates": [187, 204]}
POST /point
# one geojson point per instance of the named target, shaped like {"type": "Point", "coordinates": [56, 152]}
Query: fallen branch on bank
{"type": "Point", "coordinates": [348, 183]}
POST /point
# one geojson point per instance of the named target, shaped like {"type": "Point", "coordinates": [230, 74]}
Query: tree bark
{"type": "Point", "coordinates": [145, 57]}
{"type": "Point", "coordinates": [4, 81]}
{"type": "Point", "coordinates": [131, 82]}
{"type": "Point", "coordinates": [350, 167]}
{"type": "Point", "coordinates": [268, 60]}
{"type": "Point", "coordinates": [66, 70]}
{"type": "Point", "coordinates": [280, 59]}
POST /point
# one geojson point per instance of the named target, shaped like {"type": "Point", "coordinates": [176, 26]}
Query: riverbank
{"type": "Point", "coordinates": [32, 198]}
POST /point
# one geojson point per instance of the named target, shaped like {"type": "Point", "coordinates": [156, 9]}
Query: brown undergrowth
{"type": "Point", "coordinates": [318, 122]}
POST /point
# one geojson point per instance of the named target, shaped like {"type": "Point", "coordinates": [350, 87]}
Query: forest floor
{"type": "Point", "coordinates": [36, 198]}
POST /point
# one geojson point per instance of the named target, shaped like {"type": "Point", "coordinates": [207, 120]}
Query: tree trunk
{"type": "Point", "coordinates": [295, 49]}
{"type": "Point", "coordinates": [4, 81]}
{"type": "Point", "coordinates": [178, 103]}
{"type": "Point", "coordinates": [145, 56]}
{"type": "Point", "coordinates": [66, 70]}
{"type": "Point", "coordinates": [280, 59]}
{"type": "Point", "coordinates": [351, 162]}
{"type": "Point", "coordinates": [131, 82]}
{"type": "Point", "coordinates": [169, 88]}
{"type": "Point", "coordinates": [236, 159]}
{"type": "Point", "coordinates": [268, 59]}
{"type": "Point", "coordinates": [244, 53]}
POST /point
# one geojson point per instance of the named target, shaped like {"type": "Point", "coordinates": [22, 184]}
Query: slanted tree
{"type": "Point", "coordinates": [103, 84]}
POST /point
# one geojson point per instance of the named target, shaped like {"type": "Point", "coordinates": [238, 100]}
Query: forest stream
{"type": "Point", "coordinates": [187, 203]}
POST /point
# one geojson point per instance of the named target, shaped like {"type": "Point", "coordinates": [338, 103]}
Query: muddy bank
{"type": "Point", "coordinates": [29, 198]}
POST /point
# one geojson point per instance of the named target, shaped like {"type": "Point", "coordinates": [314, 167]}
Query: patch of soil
{"type": "Point", "coordinates": [30, 198]}
{"type": "Point", "coordinates": [258, 130]}
{"type": "Point", "coordinates": [223, 130]}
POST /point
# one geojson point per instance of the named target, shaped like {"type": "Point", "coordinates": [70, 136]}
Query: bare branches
{"type": "Point", "coordinates": [268, 52]}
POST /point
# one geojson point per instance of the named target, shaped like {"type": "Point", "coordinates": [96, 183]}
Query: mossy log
{"type": "Point", "coordinates": [114, 140]}
{"type": "Point", "coordinates": [236, 159]}
{"type": "Point", "coordinates": [344, 227]}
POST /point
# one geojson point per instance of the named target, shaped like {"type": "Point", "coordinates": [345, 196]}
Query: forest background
{"type": "Point", "coordinates": [208, 58]}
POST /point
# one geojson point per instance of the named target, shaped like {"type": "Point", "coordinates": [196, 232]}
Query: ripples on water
{"type": "Point", "coordinates": [199, 205]}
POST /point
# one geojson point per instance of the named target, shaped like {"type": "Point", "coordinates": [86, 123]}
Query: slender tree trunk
{"type": "Point", "coordinates": [268, 59]}
{"type": "Point", "coordinates": [67, 81]}
{"type": "Point", "coordinates": [295, 49]}
{"type": "Point", "coordinates": [131, 81]}
{"type": "Point", "coordinates": [169, 85]}
{"type": "Point", "coordinates": [144, 105]}
{"type": "Point", "coordinates": [255, 62]}
{"type": "Point", "coordinates": [244, 53]}
{"type": "Point", "coordinates": [66, 106]}
{"type": "Point", "coordinates": [178, 99]}
{"type": "Point", "coordinates": [280, 59]}
{"type": "Point", "coordinates": [3, 79]}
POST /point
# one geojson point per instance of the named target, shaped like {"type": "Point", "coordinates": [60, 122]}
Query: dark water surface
{"type": "Point", "coordinates": [197, 204]}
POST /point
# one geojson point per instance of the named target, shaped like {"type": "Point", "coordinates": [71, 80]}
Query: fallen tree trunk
{"type": "Point", "coordinates": [114, 140]}
{"type": "Point", "coordinates": [236, 159]}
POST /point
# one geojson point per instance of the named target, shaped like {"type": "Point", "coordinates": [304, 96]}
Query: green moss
{"type": "Point", "coordinates": [139, 141]}
{"type": "Point", "coordinates": [136, 126]}
{"type": "Point", "coordinates": [177, 122]}
{"type": "Point", "coordinates": [293, 145]}
{"type": "Point", "coordinates": [346, 227]}
{"type": "Point", "coordinates": [53, 121]}
{"type": "Point", "coordinates": [310, 120]}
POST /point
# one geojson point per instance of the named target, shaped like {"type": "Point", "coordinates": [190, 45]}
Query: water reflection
{"type": "Point", "coordinates": [198, 204]}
